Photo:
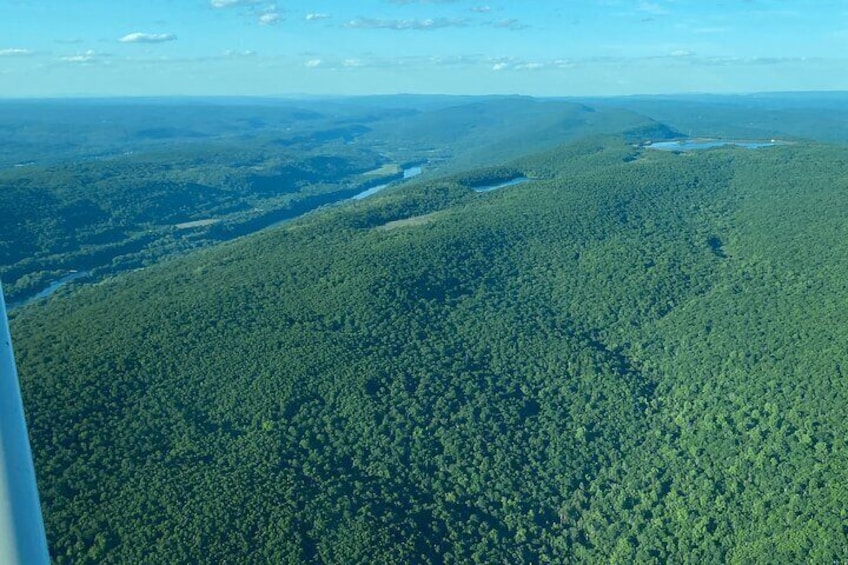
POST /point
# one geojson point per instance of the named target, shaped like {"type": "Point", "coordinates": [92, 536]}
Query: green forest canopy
{"type": "Point", "coordinates": [103, 188]}
{"type": "Point", "coordinates": [635, 357]}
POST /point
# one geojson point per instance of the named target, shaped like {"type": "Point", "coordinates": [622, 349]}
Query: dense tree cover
{"type": "Point", "coordinates": [479, 178]}
{"type": "Point", "coordinates": [822, 116]}
{"type": "Point", "coordinates": [48, 132]}
{"type": "Point", "coordinates": [125, 212]}
{"type": "Point", "coordinates": [108, 187]}
{"type": "Point", "coordinates": [636, 357]}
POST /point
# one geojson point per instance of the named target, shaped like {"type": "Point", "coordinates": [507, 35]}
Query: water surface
{"type": "Point", "coordinates": [54, 286]}
{"type": "Point", "coordinates": [408, 173]}
{"type": "Point", "coordinates": [491, 187]}
{"type": "Point", "coordinates": [696, 144]}
{"type": "Point", "coordinates": [371, 191]}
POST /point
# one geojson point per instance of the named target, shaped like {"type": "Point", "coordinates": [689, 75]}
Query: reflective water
{"type": "Point", "coordinates": [54, 286]}
{"type": "Point", "coordinates": [696, 144]}
{"type": "Point", "coordinates": [492, 187]}
{"type": "Point", "coordinates": [408, 173]}
{"type": "Point", "coordinates": [412, 172]}
{"type": "Point", "coordinates": [369, 192]}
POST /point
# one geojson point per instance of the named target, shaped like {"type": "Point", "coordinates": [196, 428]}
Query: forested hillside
{"type": "Point", "coordinates": [103, 187]}
{"type": "Point", "coordinates": [636, 356]}
{"type": "Point", "coordinates": [822, 116]}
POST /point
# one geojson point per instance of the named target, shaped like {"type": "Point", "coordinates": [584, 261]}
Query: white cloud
{"type": "Point", "coordinates": [14, 52]}
{"type": "Point", "coordinates": [480, 62]}
{"type": "Point", "coordinates": [422, 1]}
{"type": "Point", "coordinates": [139, 37]}
{"type": "Point", "coordinates": [406, 62]}
{"type": "Point", "coordinates": [481, 9]}
{"type": "Point", "coordinates": [517, 64]}
{"type": "Point", "coordinates": [314, 16]}
{"type": "Point", "coordinates": [231, 3]}
{"type": "Point", "coordinates": [531, 66]}
{"type": "Point", "coordinates": [86, 57]}
{"type": "Point", "coordinates": [403, 25]}
{"type": "Point", "coordinates": [652, 8]}
{"type": "Point", "coordinates": [510, 23]}
{"type": "Point", "coordinates": [270, 18]}
{"type": "Point", "coordinates": [266, 15]}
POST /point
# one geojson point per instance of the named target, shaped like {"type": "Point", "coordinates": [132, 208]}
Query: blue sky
{"type": "Point", "coordinates": [551, 48]}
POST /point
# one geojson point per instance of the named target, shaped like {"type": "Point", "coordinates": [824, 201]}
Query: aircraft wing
{"type": "Point", "coordinates": [22, 538]}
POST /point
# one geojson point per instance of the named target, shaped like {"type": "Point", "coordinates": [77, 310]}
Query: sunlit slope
{"type": "Point", "coordinates": [171, 181]}
{"type": "Point", "coordinates": [638, 356]}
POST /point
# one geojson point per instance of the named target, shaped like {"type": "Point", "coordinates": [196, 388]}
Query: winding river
{"type": "Point", "coordinates": [54, 286]}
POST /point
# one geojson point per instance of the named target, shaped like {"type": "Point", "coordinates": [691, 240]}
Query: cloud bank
{"type": "Point", "coordinates": [14, 52]}
{"type": "Point", "coordinates": [89, 56]}
{"type": "Point", "coordinates": [270, 18]}
{"type": "Point", "coordinates": [404, 25]}
{"type": "Point", "coordinates": [231, 3]}
{"type": "Point", "coordinates": [138, 37]}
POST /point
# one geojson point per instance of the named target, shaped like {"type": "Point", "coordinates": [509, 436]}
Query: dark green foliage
{"type": "Point", "coordinates": [125, 212]}
{"type": "Point", "coordinates": [488, 177]}
{"type": "Point", "coordinates": [822, 116]}
{"type": "Point", "coordinates": [636, 357]}
{"type": "Point", "coordinates": [108, 187]}
{"type": "Point", "coordinates": [651, 132]}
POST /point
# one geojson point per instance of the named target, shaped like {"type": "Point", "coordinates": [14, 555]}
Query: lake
{"type": "Point", "coordinates": [412, 172]}
{"type": "Point", "coordinates": [696, 144]}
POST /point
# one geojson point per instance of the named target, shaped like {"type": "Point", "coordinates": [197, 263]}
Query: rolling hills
{"type": "Point", "coordinates": [636, 356]}
{"type": "Point", "coordinates": [105, 187]}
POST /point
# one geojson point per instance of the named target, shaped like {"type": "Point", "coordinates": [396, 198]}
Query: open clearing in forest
{"type": "Point", "coordinates": [410, 222]}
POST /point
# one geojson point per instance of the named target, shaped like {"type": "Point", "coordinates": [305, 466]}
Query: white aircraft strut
{"type": "Point", "coordinates": [22, 539]}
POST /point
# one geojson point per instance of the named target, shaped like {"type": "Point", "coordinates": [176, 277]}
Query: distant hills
{"type": "Point", "coordinates": [98, 185]}
{"type": "Point", "coordinates": [106, 187]}
{"type": "Point", "coordinates": [821, 116]}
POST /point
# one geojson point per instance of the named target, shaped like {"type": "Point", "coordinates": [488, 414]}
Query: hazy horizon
{"type": "Point", "coordinates": [296, 96]}
{"type": "Point", "coordinates": [52, 49]}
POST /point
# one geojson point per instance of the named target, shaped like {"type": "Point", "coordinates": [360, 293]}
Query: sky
{"type": "Point", "coordinates": [58, 48]}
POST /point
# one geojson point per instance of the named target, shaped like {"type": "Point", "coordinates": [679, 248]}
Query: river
{"type": "Point", "coordinates": [408, 173]}
{"type": "Point", "coordinates": [53, 287]}
{"type": "Point", "coordinates": [304, 207]}
{"type": "Point", "coordinates": [491, 187]}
